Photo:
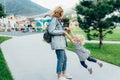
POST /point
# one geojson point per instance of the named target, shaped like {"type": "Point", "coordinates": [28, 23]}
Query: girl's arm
{"type": "Point", "coordinates": [82, 39]}
{"type": "Point", "coordinates": [69, 37]}
{"type": "Point", "coordinates": [70, 31]}
{"type": "Point", "coordinates": [72, 34]}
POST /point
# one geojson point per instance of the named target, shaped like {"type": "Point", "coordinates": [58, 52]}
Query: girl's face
{"type": "Point", "coordinates": [76, 39]}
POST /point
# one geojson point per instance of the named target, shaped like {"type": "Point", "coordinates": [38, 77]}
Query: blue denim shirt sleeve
{"type": "Point", "coordinates": [52, 27]}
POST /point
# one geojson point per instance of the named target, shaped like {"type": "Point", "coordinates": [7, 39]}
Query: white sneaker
{"type": "Point", "coordinates": [67, 76]}
{"type": "Point", "coordinates": [62, 78]}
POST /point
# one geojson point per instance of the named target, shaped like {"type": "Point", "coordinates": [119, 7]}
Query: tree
{"type": "Point", "coordinates": [2, 13]}
{"type": "Point", "coordinates": [94, 22]}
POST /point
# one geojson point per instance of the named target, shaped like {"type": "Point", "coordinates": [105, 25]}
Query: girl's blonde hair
{"type": "Point", "coordinates": [81, 38]}
{"type": "Point", "coordinates": [58, 12]}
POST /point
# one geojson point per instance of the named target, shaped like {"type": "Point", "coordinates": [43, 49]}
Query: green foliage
{"type": "Point", "coordinates": [2, 11]}
{"type": "Point", "coordinates": [95, 23]}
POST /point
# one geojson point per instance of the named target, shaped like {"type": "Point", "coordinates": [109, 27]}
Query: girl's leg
{"type": "Point", "coordinates": [94, 60]}
{"type": "Point", "coordinates": [91, 59]}
{"type": "Point", "coordinates": [85, 66]}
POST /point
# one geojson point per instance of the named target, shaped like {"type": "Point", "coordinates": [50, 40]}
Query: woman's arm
{"type": "Point", "coordinates": [52, 26]}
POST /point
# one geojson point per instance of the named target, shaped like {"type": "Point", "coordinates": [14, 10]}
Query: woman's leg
{"type": "Point", "coordinates": [67, 76]}
{"type": "Point", "coordinates": [60, 62]}
{"type": "Point", "coordinates": [64, 62]}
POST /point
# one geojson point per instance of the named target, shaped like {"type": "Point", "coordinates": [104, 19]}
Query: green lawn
{"type": "Point", "coordinates": [110, 37]}
{"type": "Point", "coordinates": [115, 36]}
{"type": "Point", "coordinates": [2, 38]}
{"type": "Point", "coordinates": [4, 70]}
{"type": "Point", "coordinates": [109, 53]}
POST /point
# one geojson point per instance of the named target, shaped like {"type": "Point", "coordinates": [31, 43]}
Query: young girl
{"type": "Point", "coordinates": [81, 51]}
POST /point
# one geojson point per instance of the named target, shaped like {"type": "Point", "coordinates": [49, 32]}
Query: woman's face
{"type": "Point", "coordinates": [58, 12]}
{"type": "Point", "coordinates": [60, 15]}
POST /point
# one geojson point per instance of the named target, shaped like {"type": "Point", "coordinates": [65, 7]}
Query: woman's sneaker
{"type": "Point", "coordinates": [67, 76]}
{"type": "Point", "coordinates": [89, 70]}
{"type": "Point", "coordinates": [62, 78]}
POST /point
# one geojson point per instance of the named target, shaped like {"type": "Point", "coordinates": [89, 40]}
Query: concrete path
{"type": "Point", "coordinates": [30, 58]}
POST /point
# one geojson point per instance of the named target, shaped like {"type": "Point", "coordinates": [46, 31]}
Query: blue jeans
{"type": "Point", "coordinates": [61, 60]}
{"type": "Point", "coordinates": [89, 59]}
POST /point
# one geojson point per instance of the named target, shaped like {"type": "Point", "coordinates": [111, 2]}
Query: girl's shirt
{"type": "Point", "coordinates": [81, 51]}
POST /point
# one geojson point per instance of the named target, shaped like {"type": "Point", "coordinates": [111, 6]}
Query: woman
{"type": "Point", "coordinates": [58, 42]}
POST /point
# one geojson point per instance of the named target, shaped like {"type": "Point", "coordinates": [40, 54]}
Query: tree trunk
{"type": "Point", "coordinates": [100, 40]}
{"type": "Point", "coordinates": [100, 44]}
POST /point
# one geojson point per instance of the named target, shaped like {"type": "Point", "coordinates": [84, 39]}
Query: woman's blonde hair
{"type": "Point", "coordinates": [58, 12]}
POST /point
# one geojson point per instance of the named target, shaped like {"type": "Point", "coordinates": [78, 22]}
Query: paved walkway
{"type": "Point", "coordinates": [30, 58]}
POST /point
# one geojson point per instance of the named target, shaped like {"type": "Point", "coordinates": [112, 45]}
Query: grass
{"type": "Point", "coordinates": [109, 53]}
{"type": "Point", "coordinates": [109, 37]}
{"type": "Point", "coordinates": [5, 73]}
{"type": "Point", "coordinates": [115, 36]}
{"type": "Point", "coordinates": [2, 38]}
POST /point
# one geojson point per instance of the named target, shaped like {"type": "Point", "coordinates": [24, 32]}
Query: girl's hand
{"type": "Point", "coordinates": [65, 33]}
{"type": "Point", "coordinates": [67, 29]}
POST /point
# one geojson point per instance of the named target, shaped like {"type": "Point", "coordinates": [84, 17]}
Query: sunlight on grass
{"type": "Point", "coordinates": [109, 37]}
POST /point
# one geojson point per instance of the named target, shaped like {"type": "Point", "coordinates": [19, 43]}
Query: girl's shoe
{"type": "Point", "coordinates": [100, 64]}
{"type": "Point", "coordinates": [90, 70]}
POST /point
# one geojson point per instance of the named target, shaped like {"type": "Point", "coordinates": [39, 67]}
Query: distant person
{"type": "Point", "coordinates": [31, 26]}
{"type": "Point", "coordinates": [59, 43]}
{"type": "Point", "coordinates": [81, 51]}
{"type": "Point", "coordinates": [6, 24]}
{"type": "Point", "coordinates": [12, 23]}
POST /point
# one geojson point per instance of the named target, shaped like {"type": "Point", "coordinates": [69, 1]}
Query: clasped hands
{"type": "Point", "coordinates": [67, 30]}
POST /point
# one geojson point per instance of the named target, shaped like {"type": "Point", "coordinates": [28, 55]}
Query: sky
{"type": "Point", "coordinates": [51, 4]}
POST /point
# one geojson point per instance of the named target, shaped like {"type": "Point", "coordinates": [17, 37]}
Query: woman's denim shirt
{"type": "Point", "coordinates": [58, 38]}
